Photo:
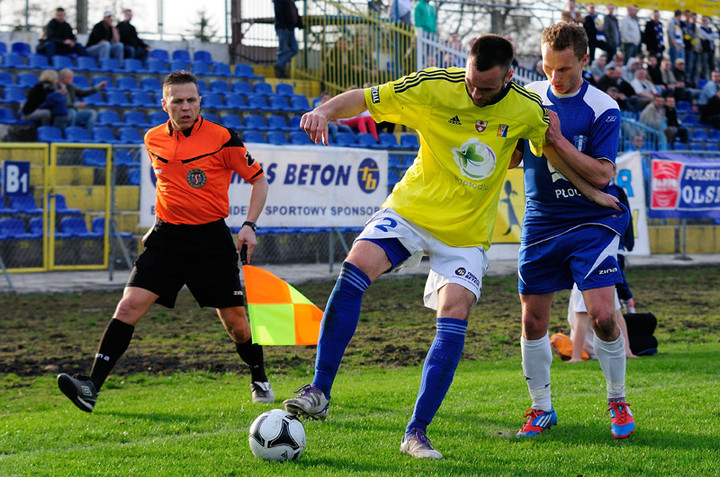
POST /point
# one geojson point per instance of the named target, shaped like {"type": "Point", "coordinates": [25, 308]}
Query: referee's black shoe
{"type": "Point", "coordinates": [79, 389]}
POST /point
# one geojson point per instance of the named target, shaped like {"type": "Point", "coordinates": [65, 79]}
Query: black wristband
{"type": "Point", "coordinates": [252, 225]}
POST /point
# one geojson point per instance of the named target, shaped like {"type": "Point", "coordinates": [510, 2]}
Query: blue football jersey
{"type": "Point", "coordinates": [590, 120]}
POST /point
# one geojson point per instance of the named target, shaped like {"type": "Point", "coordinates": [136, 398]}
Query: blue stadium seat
{"type": "Point", "coordinates": [151, 84]}
{"type": "Point", "coordinates": [157, 118]}
{"type": "Point", "coordinates": [21, 48]}
{"type": "Point", "coordinates": [299, 103]}
{"type": "Point", "coordinates": [344, 139]}
{"type": "Point", "coordinates": [232, 121]}
{"type": "Point", "coordinates": [235, 101]}
{"type": "Point", "coordinates": [683, 107]}
{"type": "Point", "coordinates": [125, 158]}
{"type": "Point", "coordinates": [81, 81]}
{"type": "Point", "coordinates": [36, 227]}
{"type": "Point", "coordinates": [241, 87]}
{"type": "Point", "coordinates": [696, 146]}
{"type": "Point", "coordinates": [213, 101]}
{"type": "Point", "coordinates": [255, 121]}
{"type": "Point", "coordinates": [13, 227]}
{"type": "Point", "coordinates": [94, 99]}
{"type": "Point", "coordinates": [177, 65]}
{"type": "Point", "coordinates": [76, 227]}
{"type": "Point", "coordinates": [277, 138]}
{"type": "Point", "coordinates": [257, 102]}
{"type": "Point", "coordinates": [387, 141]}
{"type": "Point", "coordinates": [3, 48]}
{"type": "Point", "coordinates": [159, 54]}
{"type": "Point", "coordinates": [261, 87]}
{"type": "Point", "coordinates": [202, 86]}
{"type": "Point", "coordinates": [203, 55]}
{"type": "Point", "coordinates": [136, 119]}
{"type": "Point", "coordinates": [284, 89]}
{"type": "Point", "coordinates": [110, 65]}
{"type": "Point", "coordinates": [219, 86]}
{"type": "Point", "coordinates": [153, 65]}
{"type": "Point", "coordinates": [278, 103]}
{"type": "Point", "coordinates": [37, 62]}
{"type": "Point", "coordinates": [700, 135]}
{"type": "Point", "coordinates": [97, 225]}
{"type": "Point", "coordinates": [6, 79]}
{"type": "Point", "coordinates": [181, 55]}
{"type": "Point", "coordinates": [365, 140]}
{"type": "Point", "coordinates": [253, 136]}
{"type": "Point", "coordinates": [117, 98]}
{"type": "Point", "coordinates": [200, 68]}
{"type": "Point", "coordinates": [86, 63]}
{"type": "Point", "coordinates": [13, 95]}
{"type": "Point", "coordinates": [300, 138]}
{"type": "Point", "coordinates": [133, 65]}
{"type": "Point", "coordinates": [134, 176]}
{"type": "Point", "coordinates": [712, 146]}
{"type": "Point", "coordinates": [127, 83]}
{"type": "Point", "coordinates": [141, 99]}
{"type": "Point", "coordinates": [221, 69]}
{"type": "Point", "coordinates": [109, 117]}
{"type": "Point", "coordinates": [24, 204]}
{"type": "Point", "coordinates": [7, 116]}
{"type": "Point", "coordinates": [409, 141]}
{"type": "Point", "coordinates": [129, 135]}
{"type": "Point", "coordinates": [96, 80]}
{"type": "Point", "coordinates": [62, 208]}
{"type": "Point", "coordinates": [245, 71]}
{"type": "Point", "coordinates": [104, 135]}
{"type": "Point", "coordinates": [62, 61]}
{"type": "Point", "coordinates": [49, 134]}
{"type": "Point", "coordinates": [94, 157]}
{"type": "Point", "coordinates": [714, 135]}
{"type": "Point", "coordinates": [13, 60]}
{"type": "Point", "coordinates": [294, 122]}
{"type": "Point", "coordinates": [275, 122]}
{"type": "Point", "coordinates": [77, 134]}
{"type": "Point", "coordinates": [690, 120]}
{"type": "Point", "coordinates": [211, 117]}
{"type": "Point", "coordinates": [27, 80]}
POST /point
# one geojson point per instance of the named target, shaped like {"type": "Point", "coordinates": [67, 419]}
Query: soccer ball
{"type": "Point", "coordinates": [277, 435]}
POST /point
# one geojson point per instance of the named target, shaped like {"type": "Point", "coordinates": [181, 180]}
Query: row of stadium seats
{"type": "Point", "coordinates": [68, 227]}
{"type": "Point", "coordinates": [25, 204]}
{"type": "Point", "coordinates": [25, 49]}
{"type": "Point", "coordinates": [99, 134]}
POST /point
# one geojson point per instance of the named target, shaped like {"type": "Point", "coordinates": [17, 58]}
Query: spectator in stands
{"type": "Point", "coordinates": [612, 30]}
{"type": "Point", "coordinates": [686, 87]}
{"type": "Point", "coordinates": [653, 116]}
{"type": "Point", "coordinates": [573, 13]}
{"type": "Point", "coordinates": [334, 126]}
{"type": "Point", "coordinates": [638, 142]}
{"type": "Point", "coordinates": [709, 90]}
{"type": "Point", "coordinates": [80, 114]}
{"type": "Point", "coordinates": [59, 38]}
{"type": "Point", "coordinates": [653, 69]}
{"type": "Point", "coordinates": [287, 19]}
{"type": "Point", "coordinates": [675, 37]}
{"type": "Point", "coordinates": [613, 77]}
{"type": "Point", "coordinates": [629, 69]}
{"type": "Point", "coordinates": [644, 88]}
{"type": "Point", "coordinates": [597, 68]}
{"type": "Point", "coordinates": [595, 31]}
{"type": "Point", "coordinates": [707, 39]}
{"type": "Point", "coordinates": [711, 111]}
{"type": "Point", "coordinates": [42, 105]}
{"type": "Point", "coordinates": [692, 47]}
{"type": "Point", "coordinates": [104, 40]}
{"type": "Point", "coordinates": [614, 93]}
{"type": "Point", "coordinates": [424, 16]}
{"type": "Point", "coordinates": [653, 36]}
{"type": "Point", "coordinates": [672, 120]}
{"type": "Point", "coordinates": [401, 11]}
{"type": "Point", "coordinates": [134, 46]}
{"type": "Point", "coordinates": [630, 34]}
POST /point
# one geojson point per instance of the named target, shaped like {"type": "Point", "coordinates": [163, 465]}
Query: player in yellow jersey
{"type": "Point", "coordinates": [469, 122]}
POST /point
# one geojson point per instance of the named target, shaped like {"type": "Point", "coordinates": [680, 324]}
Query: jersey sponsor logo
{"type": "Point", "coordinates": [368, 175]}
{"type": "Point", "coordinates": [607, 271]}
{"type": "Point", "coordinates": [455, 120]}
{"type": "Point", "coordinates": [502, 130]}
{"type": "Point", "coordinates": [480, 125]}
{"type": "Point", "coordinates": [469, 276]}
{"type": "Point", "coordinates": [580, 141]}
{"type": "Point", "coordinates": [375, 93]}
{"type": "Point", "coordinates": [611, 119]}
{"type": "Point", "coordinates": [196, 178]}
{"type": "Point", "coordinates": [475, 159]}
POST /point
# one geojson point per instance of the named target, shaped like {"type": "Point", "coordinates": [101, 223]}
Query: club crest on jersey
{"type": "Point", "coordinates": [196, 178]}
{"type": "Point", "coordinates": [475, 159]}
{"type": "Point", "coordinates": [580, 142]}
{"type": "Point", "coordinates": [480, 125]}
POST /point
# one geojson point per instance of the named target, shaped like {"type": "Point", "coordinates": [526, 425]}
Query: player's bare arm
{"type": "Point", "coordinates": [345, 105]}
{"type": "Point", "coordinates": [596, 172]}
{"type": "Point", "coordinates": [246, 235]}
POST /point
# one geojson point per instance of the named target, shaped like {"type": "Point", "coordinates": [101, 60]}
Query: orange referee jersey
{"type": "Point", "coordinates": [194, 168]}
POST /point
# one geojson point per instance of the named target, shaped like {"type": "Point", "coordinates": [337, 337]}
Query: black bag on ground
{"type": "Point", "coordinates": [641, 327]}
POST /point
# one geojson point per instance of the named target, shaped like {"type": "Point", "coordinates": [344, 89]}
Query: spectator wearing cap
{"type": "Point", "coordinates": [104, 40]}
{"type": "Point", "coordinates": [134, 46]}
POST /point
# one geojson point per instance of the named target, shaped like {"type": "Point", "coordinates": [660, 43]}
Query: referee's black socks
{"type": "Point", "coordinates": [252, 354]}
{"type": "Point", "coordinates": [113, 344]}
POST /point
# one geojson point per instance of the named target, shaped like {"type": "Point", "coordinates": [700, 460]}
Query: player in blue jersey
{"type": "Point", "coordinates": [567, 238]}
{"type": "Point", "coordinates": [469, 121]}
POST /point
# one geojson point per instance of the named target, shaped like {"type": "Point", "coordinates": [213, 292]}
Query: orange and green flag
{"type": "Point", "coordinates": [279, 314]}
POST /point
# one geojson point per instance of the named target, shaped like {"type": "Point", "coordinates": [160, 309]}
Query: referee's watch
{"type": "Point", "coordinates": [252, 225]}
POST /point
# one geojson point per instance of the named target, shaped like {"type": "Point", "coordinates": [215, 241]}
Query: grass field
{"type": "Point", "coordinates": [176, 405]}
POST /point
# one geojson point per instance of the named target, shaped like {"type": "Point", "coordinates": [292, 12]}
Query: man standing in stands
{"type": "Point", "coordinates": [287, 19]}
{"type": "Point", "coordinates": [190, 244]}
{"type": "Point", "coordinates": [59, 38]}
{"type": "Point", "coordinates": [134, 46]}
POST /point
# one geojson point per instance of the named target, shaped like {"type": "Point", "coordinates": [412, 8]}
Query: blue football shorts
{"type": "Point", "coordinates": [586, 256]}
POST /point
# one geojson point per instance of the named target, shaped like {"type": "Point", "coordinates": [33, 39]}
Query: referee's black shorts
{"type": "Point", "coordinates": [203, 257]}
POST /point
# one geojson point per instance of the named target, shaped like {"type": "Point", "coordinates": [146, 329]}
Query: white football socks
{"type": "Point", "coordinates": [536, 361]}
{"type": "Point", "coordinates": [611, 355]}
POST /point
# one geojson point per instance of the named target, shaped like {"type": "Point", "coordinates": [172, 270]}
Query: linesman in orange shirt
{"type": "Point", "coordinates": [193, 160]}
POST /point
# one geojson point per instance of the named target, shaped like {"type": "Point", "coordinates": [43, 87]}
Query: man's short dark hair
{"type": "Point", "coordinates": [59, 9]}
{"type": "Point", "coordinates": [563, 35]}
{"type": "Point", "coordinates": [180, 77]}
{"type": "Point", "coordinates": [490, 51]}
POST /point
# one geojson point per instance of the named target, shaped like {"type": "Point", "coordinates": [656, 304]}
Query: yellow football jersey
{"type": "Point", "coordinates": [453, 186]}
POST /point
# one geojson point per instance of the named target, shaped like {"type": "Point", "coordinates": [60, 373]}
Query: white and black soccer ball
{"type": "Point", "coordinates": [277, 435]}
